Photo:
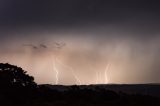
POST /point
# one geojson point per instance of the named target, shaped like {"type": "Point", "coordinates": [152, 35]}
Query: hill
{"type": "Point", "coordinates": [143, 89]}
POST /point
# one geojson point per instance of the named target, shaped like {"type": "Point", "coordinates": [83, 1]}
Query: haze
{"type": "Point", "coordinates": [123, 37]}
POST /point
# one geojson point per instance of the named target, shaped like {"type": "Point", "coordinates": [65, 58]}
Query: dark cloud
{"type": "Point", "coordinates": [30, 45]}
{"type": "Point", "coordinates": [43, 46]}
{"type": "Point", "coordinates": [56, 45]}
{"type": "Point", "coordinates": [59, 45]}
{"type": "Point", "coordinates": [139, 17]}
{"type": "Point", "coordinates": [73, 12]}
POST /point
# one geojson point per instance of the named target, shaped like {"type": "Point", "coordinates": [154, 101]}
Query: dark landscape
{"type": "Point", "coordinates": [19, 89]}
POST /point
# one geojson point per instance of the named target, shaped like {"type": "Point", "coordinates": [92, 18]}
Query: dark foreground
{"type": "Point", "coordinates": [91, 95]}
{"type": "Point", "coordinates": [17, 88]}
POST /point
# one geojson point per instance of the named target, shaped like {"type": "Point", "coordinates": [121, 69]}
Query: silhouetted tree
{"type": "Point", "coordinates": [16, 86]}
{"type": "Point", "coordinates": [13, 76]}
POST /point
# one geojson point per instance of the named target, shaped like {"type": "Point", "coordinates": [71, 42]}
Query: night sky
{"type": "Point", "coordinates": [82, 41]}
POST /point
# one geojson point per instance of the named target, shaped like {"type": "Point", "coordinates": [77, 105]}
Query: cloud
{"type": "Point", "coordinates": [31, 45]}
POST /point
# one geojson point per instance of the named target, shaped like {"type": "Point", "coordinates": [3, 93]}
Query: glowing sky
{"type": "Point", "coordinates": [82, 41]}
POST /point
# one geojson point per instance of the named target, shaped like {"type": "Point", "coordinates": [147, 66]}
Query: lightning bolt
{"type": "Point", "coordinates": [55, 68]}
{"type": "Point", "coordinates": [105, 73]}
{"type": "Point", "coordinates": [72, 71]}
{"type": "Point", "coordinates": [56, 71]}
{"type": "Point", "coordinates": [97, 77]}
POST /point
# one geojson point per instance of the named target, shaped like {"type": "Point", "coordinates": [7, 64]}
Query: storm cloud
{"type": "Point", "coordinates": [85, 35]}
